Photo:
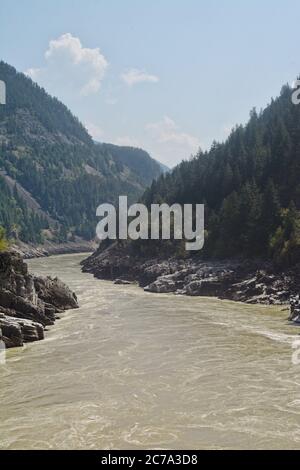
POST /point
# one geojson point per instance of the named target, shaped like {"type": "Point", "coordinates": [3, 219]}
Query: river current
{"type": "Point", "coordinates": [133, 370]}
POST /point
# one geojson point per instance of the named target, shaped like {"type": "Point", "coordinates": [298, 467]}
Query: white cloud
{"type": "Point", "coordinates": [168, 143]}
{"type": "Point", "coordinates": [94, 130]}
{"type": "Point", "coordinates": [166, 131]}
{"type": "Point", "coordinates": [226, 130]}
{"type": "Point", "coordinates": [70, 65]}
{"type": "Point", "coordinates": [33, 73]}
{"type": "Point", "coordinates": [133, 76]}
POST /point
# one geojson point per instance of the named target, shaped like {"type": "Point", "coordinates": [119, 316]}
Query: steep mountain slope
{"type": "Point", "coordinates": [137, 160]}
{"type": "Point", "coordinates": [250, 186]}
{"type": "Point", "coordinates": [61, 175]}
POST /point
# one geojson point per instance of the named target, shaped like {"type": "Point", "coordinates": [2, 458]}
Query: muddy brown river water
{"type": "Point", "coordinates": [133, 370]}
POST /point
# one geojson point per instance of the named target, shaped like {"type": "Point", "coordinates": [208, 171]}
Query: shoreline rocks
{"type": "Point", "coordinates": [27, 303]}
{"type": "Point", "coordinates": [249, 281]}
{"type": "Point", "coordinates": [28, 251]}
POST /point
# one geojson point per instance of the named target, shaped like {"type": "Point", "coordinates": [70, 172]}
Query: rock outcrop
{"type": "Point", "coordinates": [295, 310]}
{"type": "Point", "coordinates": [250, 281]}
{"type": "Point", "coordinates": [27, 303]}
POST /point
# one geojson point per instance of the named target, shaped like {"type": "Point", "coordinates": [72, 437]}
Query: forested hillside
{"type": "Point", "coordinates": [136, 160]}
{"type": "Point", "coordinates": [47, 151]}
{"type": "Point", "coordinates": [250, 186]}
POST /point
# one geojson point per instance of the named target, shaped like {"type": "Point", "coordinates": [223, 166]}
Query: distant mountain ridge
{"type": "Point", "coordinates": [47, 154]}
{"type": "Point", "coordinates": [137, 160]}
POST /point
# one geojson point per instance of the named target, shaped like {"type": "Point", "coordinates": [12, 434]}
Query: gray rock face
{"type": "Point", "coordinates": [55, 292]}
{"type": "Point", "coordinates": [192, 280]}
{"type": "Point", "coordinates": [28, 303]}
{"type": "Point", "coordinates": [228, 281]}
{"type": "Point", "coordinates": [250, 281]}
{"type": "Point", "coordinates": [163, 285]}
{"type": "Point", "coordinates": [206, 287]}
{"type": "Point", "coordinates": [295, 309]}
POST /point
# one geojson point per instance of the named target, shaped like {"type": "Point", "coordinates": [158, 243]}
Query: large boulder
{"type": "Point", "coordinates": [55, 292]}
{"type": "Point", "coordinates": [210, 287]}
{"type": "Point", "coordinates": [162, 285]}
{"type": "Point", "coordinates": [15, 332]}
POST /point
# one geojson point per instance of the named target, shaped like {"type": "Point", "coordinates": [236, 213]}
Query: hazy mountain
{"type": "Point", "coordinates": [138, 160]}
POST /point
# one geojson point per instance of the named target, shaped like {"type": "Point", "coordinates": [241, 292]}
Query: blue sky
{"type": "Point", "coordinates": [165, 75]}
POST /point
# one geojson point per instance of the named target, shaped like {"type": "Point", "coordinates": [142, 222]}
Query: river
{"type": "Point", "coordinates": [136, 370]}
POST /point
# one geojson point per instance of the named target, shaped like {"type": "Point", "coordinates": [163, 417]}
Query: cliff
{"type": "Point", "coordinates": [28, 303]}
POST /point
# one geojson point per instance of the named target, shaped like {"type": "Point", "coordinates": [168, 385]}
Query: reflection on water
{"type": "Point", "coordinates": [136, 370]}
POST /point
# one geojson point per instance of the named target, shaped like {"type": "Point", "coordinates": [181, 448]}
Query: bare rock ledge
{"type": "Point", "coordinates": [28, 303]}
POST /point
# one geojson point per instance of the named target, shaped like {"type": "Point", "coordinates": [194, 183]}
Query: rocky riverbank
{"type": "Point", "coordinates": [27, 250]}
{"type": "Point", "coordinates": [28, 303]}
{"type": "Point", "coordinates": [250, 281]}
